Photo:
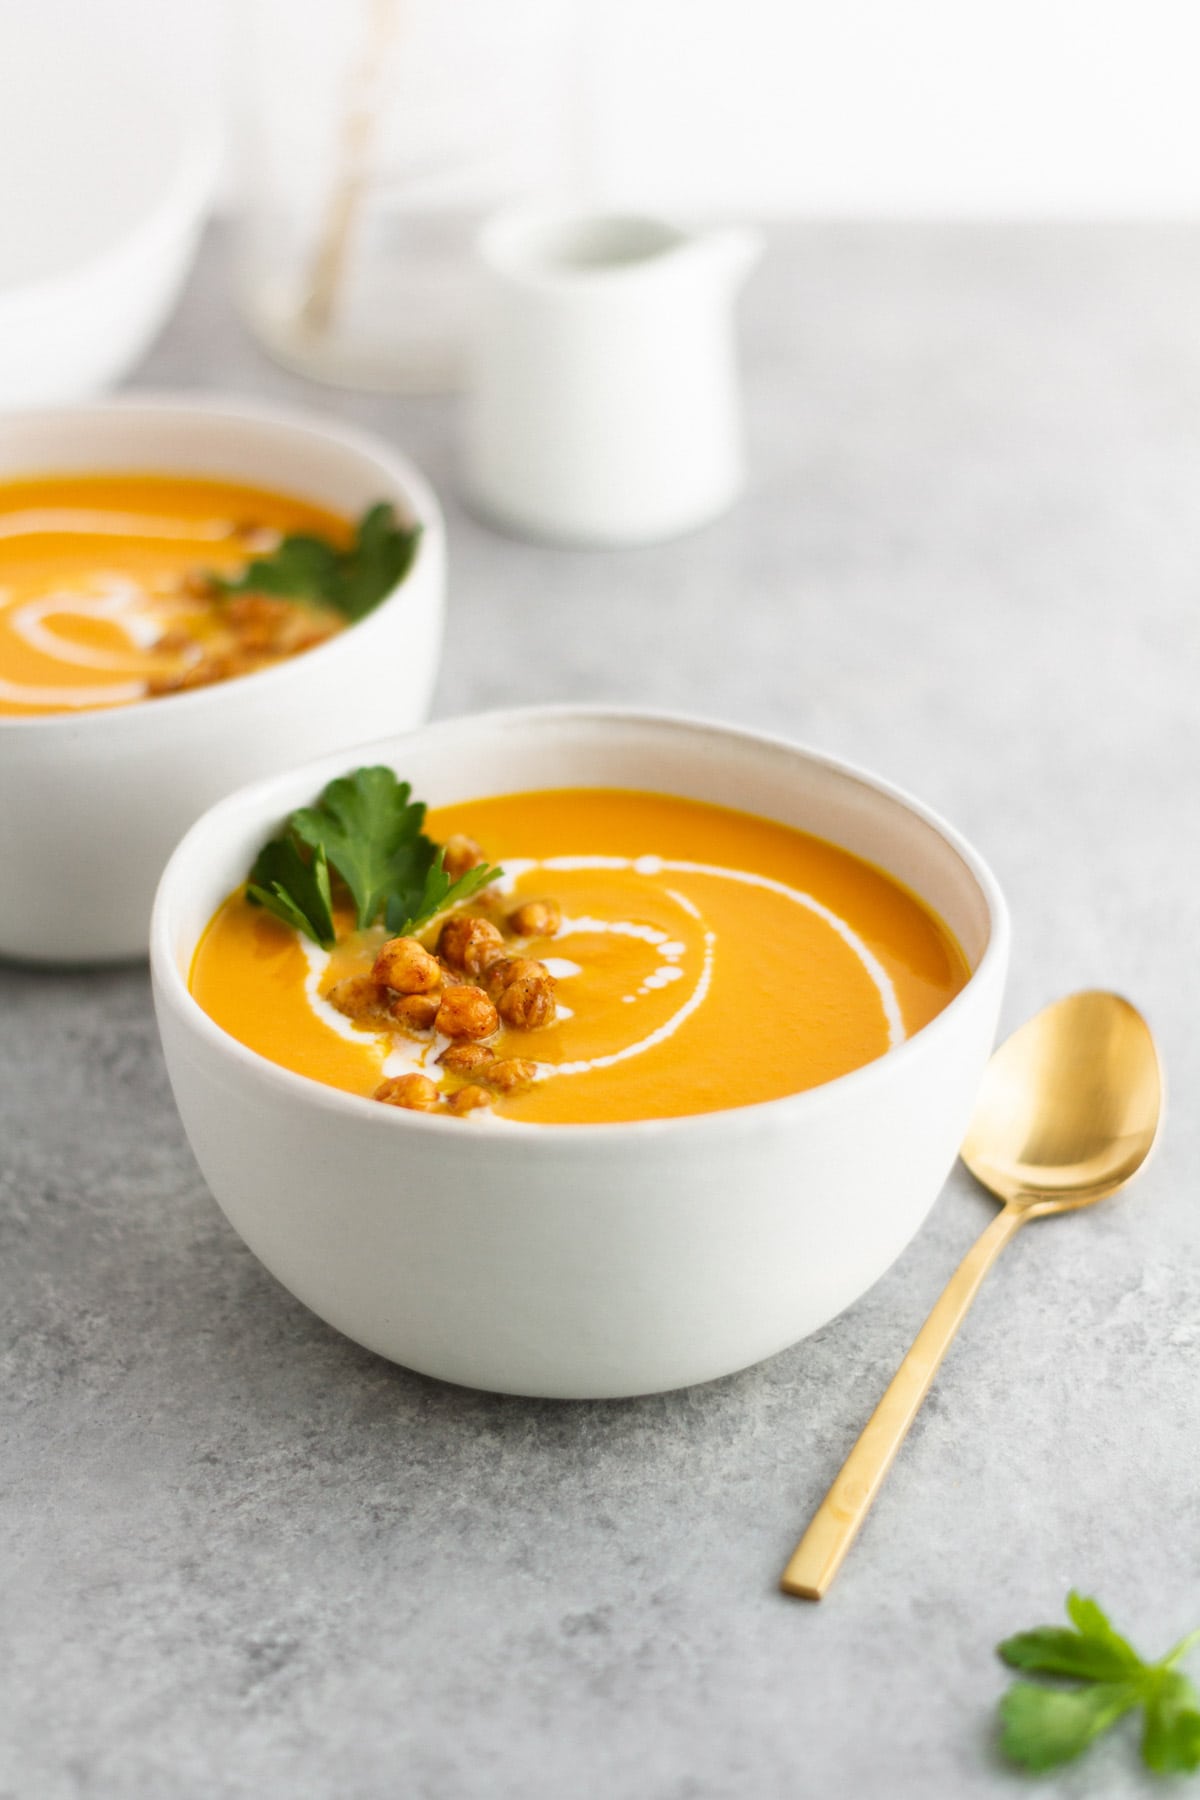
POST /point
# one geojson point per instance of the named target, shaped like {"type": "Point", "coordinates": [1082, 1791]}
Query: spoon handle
{"type": "Point", "coordinates": [818, 1556]}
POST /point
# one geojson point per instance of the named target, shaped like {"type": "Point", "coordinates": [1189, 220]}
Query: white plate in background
{"type": "Point", "coordinates": [107, 181]}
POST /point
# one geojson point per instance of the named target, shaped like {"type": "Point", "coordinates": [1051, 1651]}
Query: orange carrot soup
{"type": "Point", "coordinates": [638, 957]}
{"type": "Point", "coordinates": [121, 587]}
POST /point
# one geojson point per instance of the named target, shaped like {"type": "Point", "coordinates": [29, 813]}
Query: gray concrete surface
{"type": "Point", "coordinates": [243, 1558]}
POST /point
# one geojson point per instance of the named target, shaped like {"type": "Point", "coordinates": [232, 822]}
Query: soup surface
{"type": "Point", "coordinates": [698, 959]}
{"type": "Point", "coordinates": [104, 597]}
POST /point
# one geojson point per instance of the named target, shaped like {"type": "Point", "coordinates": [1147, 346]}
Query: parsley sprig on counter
{"type": "Point", "coordinates": [1044, 1726]}
{"type": "Point", "coordinates": [352, 581]}
{"type": "Point", "coordinates": [367, 828]}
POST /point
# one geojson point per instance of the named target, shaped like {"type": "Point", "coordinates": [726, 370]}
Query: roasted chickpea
{"type": "Point", "coordinates": [202, 673]}
{"type": "Point", "coordinates": [528, 1002]}
{"type": "Point", "coordinates": [198, 584]}
{"type": "Point", "coordinates": [407, 967]}
{"type": "Point", "coordinates": [414, 1092]}
{"type": "Point", "coordinates": [262, 538]}
{"type": "Point", "coordinates": [309, 639]}
{"type": "Point", "coordinates": [536, 919]}
{"type": "Point", "coordinates": [358, 996]}
{"type": "Point", "coordinates": [498, 974]}
{"type": "Point", "coordinates": [465, 1059]}
{"type": "Point", "coordinates": [259, 621]}
{"type": "Point", "coordinates": [511, 1074]}
{"type": "Point", "coordinates": [415, 1012]}
{"type": "Point", "coordinates": [469, 1099]}
{"type": "Point", "coordinates": [466, 1012]}
{"type": "Point", "coordinates": [460, 853]}
{"type": "Point", "coordinates": [243, 662]}
{"type": "Point", "coordinates": [254, 609]}
{"type": "Point", "coordinates": [469, 943]}
{"type": "Point", "coordinates": [175, 642]}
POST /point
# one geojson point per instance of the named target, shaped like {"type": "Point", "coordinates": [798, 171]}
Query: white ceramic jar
{"type": "Point", "coordinates": [605, 405]}
{"type": "Point", "coordinates": [585, 1260]}
{"type": "Point", "coordinates": [92, 803]}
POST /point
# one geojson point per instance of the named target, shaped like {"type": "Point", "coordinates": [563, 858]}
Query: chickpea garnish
{"type": "Point", "coordinates": [308, 640]}
{"type": "Point", "coordinates": [358, 996]}
{"type": "Point", "coordinates": [260, 622]}
{"type": "Point", "coordinates": [528, 1002]}
{"type": "Point", "coordinates": [460, 853]}
{"type": "Point", "coordinates": [469, 943]}
{"type": "Point", "coordinates": [416, 1093]}
{"type": "Point", "coordinates": [469, 1099]}
{"type": "Point", "coordinates": [523, 989]}
{"type": "Point", "coordinates": [175, 642]}
{"type": "Point", "coordinates": [202, 673]}
{"type": "Point", "coordinates": [466, 1012]}
{"type": "Point", "coordinates": [464, 1059]}
{"type": "Point", "coordinates": [511, 1074]}
{"type": "Point", "coordinates": [498, 974]}
{"type": "Point", "coordinates": [536, 919]}
{"type": "Point", "coordinates": [198, 584]}
{"type": "Point", "coordinates": [415, 1012]}
{"type": "Point", "coordinates": [254, 536]}
{"type": "Point", "coordinates": [255, 609]}
{"type": "Point", "coordinates": [407, 967]}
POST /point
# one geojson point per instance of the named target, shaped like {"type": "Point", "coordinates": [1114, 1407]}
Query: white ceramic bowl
{"type": "Point", "coordinates": [91, 803]}
{"type": "Point", "coordinates": [100, 228]}
{"type": "Point", "coordinates": [579, 1260]}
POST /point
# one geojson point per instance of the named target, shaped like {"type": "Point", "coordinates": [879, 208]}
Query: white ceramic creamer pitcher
{"type": "Point", "coordinates": [605, 404]}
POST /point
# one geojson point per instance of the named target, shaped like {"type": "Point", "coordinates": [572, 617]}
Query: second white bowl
{"type": "Point", "coordinates": [91, 803]}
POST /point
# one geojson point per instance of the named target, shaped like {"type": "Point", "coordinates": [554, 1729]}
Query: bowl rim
{"type": "Point", "coordinates": [397, 468]}
{"type": "Point", "coordinates": [172, 990]}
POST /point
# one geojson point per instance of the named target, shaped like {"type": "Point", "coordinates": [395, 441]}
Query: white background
{"type": "Point", "coordinates": [861, 107]}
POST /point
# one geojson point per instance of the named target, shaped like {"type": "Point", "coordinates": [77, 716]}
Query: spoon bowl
{"type": "Point", "coordinates": [1069, 1107]}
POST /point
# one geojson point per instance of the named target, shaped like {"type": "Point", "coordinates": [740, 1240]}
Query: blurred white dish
{"type": "Point", "coordinates": [605, 405]}
{"type": "Point", "coordinates": [108, 183]}
{"type": "Point", "coordinates": [91, 803]}
{"type": "Point", "coordinates": [585, 1260]}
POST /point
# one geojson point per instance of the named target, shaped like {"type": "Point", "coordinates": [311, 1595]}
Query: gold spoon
{"type": "Point", "coordinates": [1067, 1113]}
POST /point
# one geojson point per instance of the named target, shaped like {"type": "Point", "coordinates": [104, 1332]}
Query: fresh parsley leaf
{"type": "Point", "coordinates": [438, 893]}
{"type": "Point", "coordinates": [380, 561]}
{"type": "Point", "coordinates": [1056, 1651]}
{"type": "Point", "coordinates": [370, 829]}
{"type": "Point", "coordinates": [302, 568]}
{"type": "Point", "coordinates": [1171, 1738]}
{"type": "Point", "coordinates": [367, 827]}
{"type": "Point", "coordinates": [352, 581]}
{"type": "Point", "coordinates": [1043, 1726]}
{"type": "Point", "coordinates": [1092, 1624]}
{"type": "Point", "coordinates": [295, 890]}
